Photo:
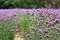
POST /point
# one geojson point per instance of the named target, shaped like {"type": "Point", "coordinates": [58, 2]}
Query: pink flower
{"type": "Point", "coordinates": [40, 31]}
{"type": "Point", "coordinates": [52, 23]}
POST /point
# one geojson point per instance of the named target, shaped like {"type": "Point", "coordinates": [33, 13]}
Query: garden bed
{"type": "Point", "coordinates": [30, 24]}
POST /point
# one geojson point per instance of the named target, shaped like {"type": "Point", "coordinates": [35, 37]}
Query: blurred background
{"type": "Point", "coordinates": [29, 4]}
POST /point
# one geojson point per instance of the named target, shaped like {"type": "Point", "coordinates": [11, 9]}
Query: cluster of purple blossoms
{"type": "Point", "coordinates": [53, 14]}
{"type": "Point", "coordinates": [9, 13]}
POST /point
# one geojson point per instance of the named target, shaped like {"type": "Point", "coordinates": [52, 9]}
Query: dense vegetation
{"type": "Point", "coordinates": [38, 23]}
{"type": "Point", "coordinates": [29, 3]}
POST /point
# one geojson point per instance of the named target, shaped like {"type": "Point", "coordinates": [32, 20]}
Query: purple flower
{"type": "Point", "coordinates": [40, 36]}
{"type": "Point", "coordinates": [40, 31]}
{"type": "Point", "coordinates": [45, 31]}
{"type": "Point", "coordinates": [41, 11]}
{"type": "Point", "coordinates": [33, 28]}
{"type": "Point", "coordinates": [56, 20]}
{"type": "Point", "coordinates": [51, 23]}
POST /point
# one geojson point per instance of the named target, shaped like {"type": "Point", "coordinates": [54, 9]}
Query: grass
{"type": "Point", "coordinates": [5, 28]}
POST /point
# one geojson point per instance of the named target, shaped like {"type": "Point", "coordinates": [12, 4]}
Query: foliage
{"type": "Point", "coordinates": [5, 31]}
{"type": "Point", "coordinates": [35, 27]}
{"type": "Point", "coordinates": [29, 3]}
{"type": "Point", "coordinates": [27, 21]}
{"type": "Point", "coordinates": [45, 27]}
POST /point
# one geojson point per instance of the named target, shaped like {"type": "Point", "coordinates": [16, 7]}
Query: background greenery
{"type": "Point", "coordinates": [29, 3]}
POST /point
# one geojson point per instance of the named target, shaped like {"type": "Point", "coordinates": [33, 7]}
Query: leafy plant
{"type": "Point", "coordinates": [27, 21]}
{"type": "Point", "coordinates": [5, 31]}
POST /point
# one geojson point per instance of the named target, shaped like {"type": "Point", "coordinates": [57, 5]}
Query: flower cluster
{"type": "Point", "coordinates": [47, 23]}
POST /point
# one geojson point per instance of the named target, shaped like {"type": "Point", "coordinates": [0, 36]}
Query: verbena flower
{"type": "Point", "coordinates": [46, 31]}
{"type": "Point", "coordinates": [40, 31]}
{"type": "Point", "coordinates": [33, 28]}
{"type": "Point", "coordinates": [40, 36]}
